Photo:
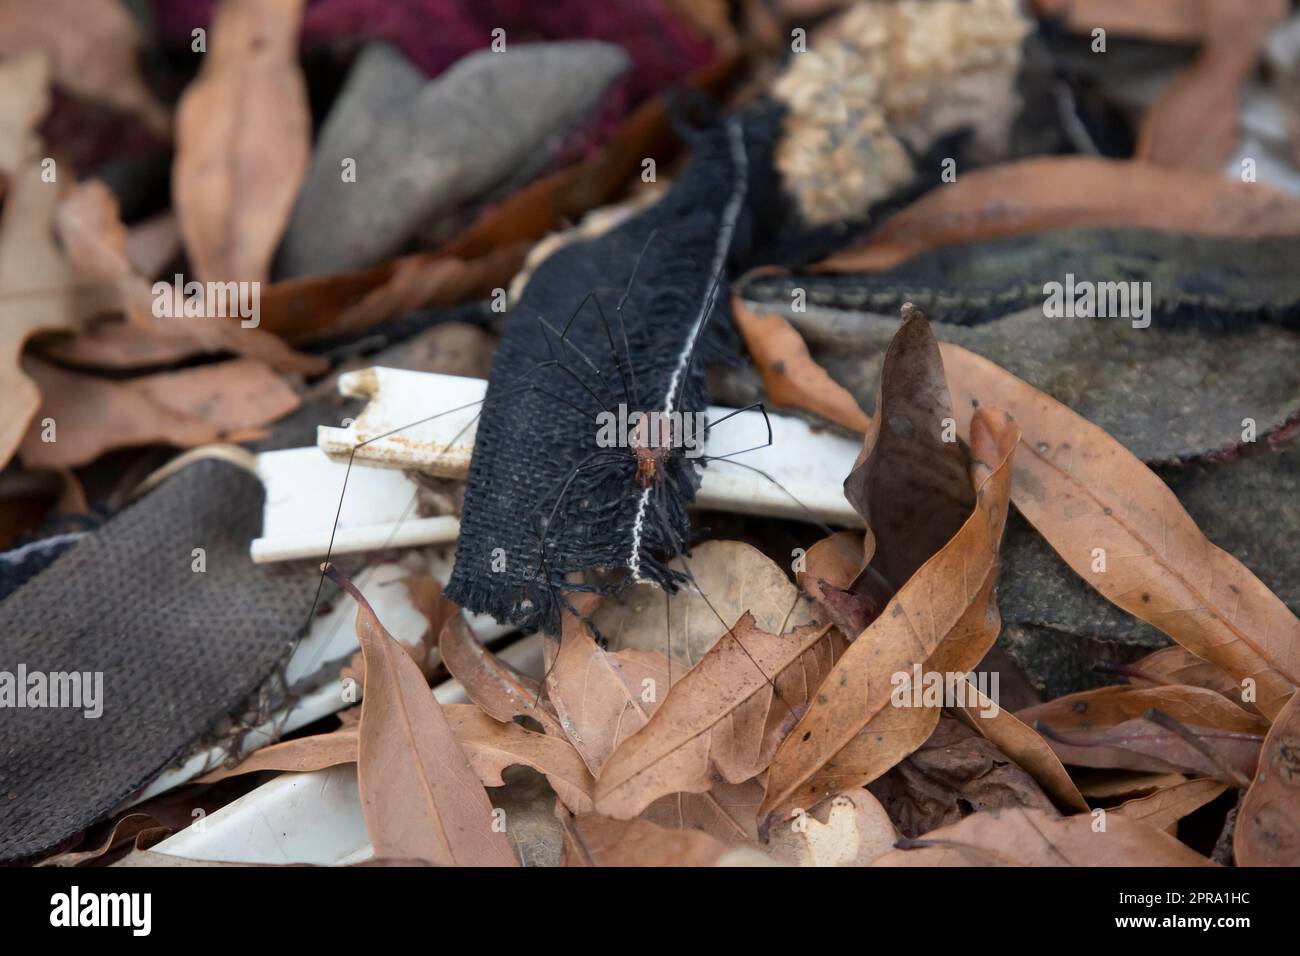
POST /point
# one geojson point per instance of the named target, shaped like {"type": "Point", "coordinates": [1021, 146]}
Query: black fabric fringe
{"type": "Point", "coordinates": [532, 477]}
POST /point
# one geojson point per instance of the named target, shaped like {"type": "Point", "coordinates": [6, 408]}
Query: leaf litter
{"type": "Point", "coordinates": [757, 715]}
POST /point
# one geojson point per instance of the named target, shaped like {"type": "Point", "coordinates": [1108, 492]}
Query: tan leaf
{"type": "Point", "coordinates": [1017, 837]}
{"type": "Point", "coordinates": [942, 618]}
{"type": "Point", "coordinates": [724, 718]}
{"type": "Point", "coordinates": [420, 795]}
{"type": "Point", "coordinates": [1083, 491]}
{"type": "Point", "coordinates": [1177, 665]}
{"type": "Point", "coordinates": [225, 401]}
{"type": "Point", "coordinates": [730, 578]}
{"type": "Point", "coordinates": [602, 841]}
{"type": "Point", "coordinates": [94, 47]}
{"type": "Point", "coordinates": [829, 570]}
{"type": "Point", "coordinates": [1107, 706]}
{"type": "Point", "coordinates": [24, 98]}
{"type": "Point", "coordinates": [1268, 821]}
{"type": "Point", "coordinates": [1067, 192]}
{"type": "Point", "coordinates": [1023, 745]}
{"type": "Point", "coordinates": [492, 746]}
{"type": "Point", "coordinates": [909, 484]}
{"type": "Point", "coordinates": [1143, 744]}
{"type": "Point", "coordinates": [243, 140]}
{"type": "Point", "coordinates": [852, 829]}
{"type": "Point", "coordinates": [300, 755]}
{"type": "Point", "coordinates": [1166, 21]}
{"type": "Point", "coordinates": [1168, 805]}
{"type": "Point", "coordinates": [727, 811]}
{"type": "Point", "coordinates": [602, 697]}
{"type": "Point", "coordinates": [1195, 121]}
{"type": "Point", "coordinates": [38, 289]}
{"type": "Point", "coordinates": [500, 690]}
{"type": "Point", "coordinates": [96, 243]}
{"type": "Point", "coordinates": [790, 376]}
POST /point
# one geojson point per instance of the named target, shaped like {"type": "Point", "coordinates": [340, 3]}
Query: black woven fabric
{"type": "Point", "coordinates": [537, 473]}
{"type": "Point", "coordinates": [178, 650]}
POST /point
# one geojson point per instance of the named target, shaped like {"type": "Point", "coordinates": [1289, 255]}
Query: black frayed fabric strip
{"type": "Point", "coordinates": [545, 501]}
{"type": "Point", "coordinates": [178, 651]}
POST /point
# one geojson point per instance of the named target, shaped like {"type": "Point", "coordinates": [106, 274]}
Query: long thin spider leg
{"type": "Point", "coordinates": [747, 408]}
{"type": "Point", "coordinates": [543, 568]}
{"type": "Point", "coordinates": [556, 363]}
{"type": "Point", "coordinates": [347, 474]}
{"type": "Point", "coordinates": [812, 517]}
{"type": "Point", "coordinates": [613, 350]}
{"type": "Point", "coordinates": [565, 343]}
{"type": "Point", "coordinates": [739, 643]}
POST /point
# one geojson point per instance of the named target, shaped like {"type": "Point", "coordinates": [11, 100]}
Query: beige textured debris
{"type": "Point", "coordinates": [886, 77]}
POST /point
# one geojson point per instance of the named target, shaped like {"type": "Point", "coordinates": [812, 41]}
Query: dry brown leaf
{"type": "Point", "coordinates": [153, 244]}
{"type": "Point", "coordinates": [943, 618]}
{"type": "Point", "coordinates": [1168, 805]}
{"type": "Point", "coordinates": [490, 746]}
{"type": "Point", "coordinates": [1092, 500]}
{"type": "Point", "coordinates": [493, 746]}
{"type": "Point", "coordinates": [117, 345]}
{"type": "Point", "coordinates": [136, 827]}
{"type": "Point", "coordinates": [500, 690]}
{"type": "Point", "coordinates": [830, 567]}
{"type": "Point", "coordinates": [602, 698]}
{"type": "Point", "coordinates": [1177, 665]}
{"type": "Point", "coordinates": [790, 376]}
{"type": "Point", "coordinates": [1268, 821]}
{"type": "Point", "coordinates": [910, 482]}
{"type": "Point", "coordinates": [1143, 744]}
{"type": "Point", "coordinates": [1104, 785]}
{"type": "Point", "coordinates": [736, 577]}
{"type": "Point", "coordinates": [1069, 192]}
{"type": "Point", "coordinates": [1025, 746]}
{"type": "Point", "coordinates": [1195, 121]}
{"type": "Point", "coordinates": [602, 841]}
{"type": "Point", "coordinates": [96, 243]}
{"type": "Point", "coordinates": [94, 48]}
{"type": "Point", "coordinates": [243, 140]}
{"type": "Point", "coordinates": [24, 98]}
{"type": "Point", "coordinates": [722, 719]}
{"type": "Point", "coordinates": [226, 401]}
{"type": "Point", "coordinates": [419, 793]}
{"type": "Point", "coordinates": [851, 829]}
{"type": "Point", "coordinates": [1016, 837]}
{"type": "Point", "coordinates": [1166, 21]}
{"type": "Point", "coordinates": [300, 755]}
{"type": "Point", "coordinates": [38, 290]}
{"type": "Point", "coordinates": [1107, 706]}
{"type": "Point", "coordinates": [728, 811]}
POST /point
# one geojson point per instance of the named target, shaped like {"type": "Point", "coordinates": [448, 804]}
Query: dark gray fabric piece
{"type": "Point", "coordinates": [178, 650]}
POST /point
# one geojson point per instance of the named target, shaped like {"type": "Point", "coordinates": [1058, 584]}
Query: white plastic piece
{"type": "Point", "coordinates": [302, 498]}
{"type": "Point", "coordinates": [810, 464]}
{"type": "Point", "coordinates": [308, 817]}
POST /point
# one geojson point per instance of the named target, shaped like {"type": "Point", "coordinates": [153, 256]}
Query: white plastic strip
{"type": "Point", "coordinates": [810, 464]}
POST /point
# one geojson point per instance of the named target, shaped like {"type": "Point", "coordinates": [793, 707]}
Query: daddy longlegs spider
{"type": "Point", "coordinates": [652, 465]}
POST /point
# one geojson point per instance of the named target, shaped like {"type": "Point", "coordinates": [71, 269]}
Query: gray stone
{"type": "Point", "coordinates": [424, 148]}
